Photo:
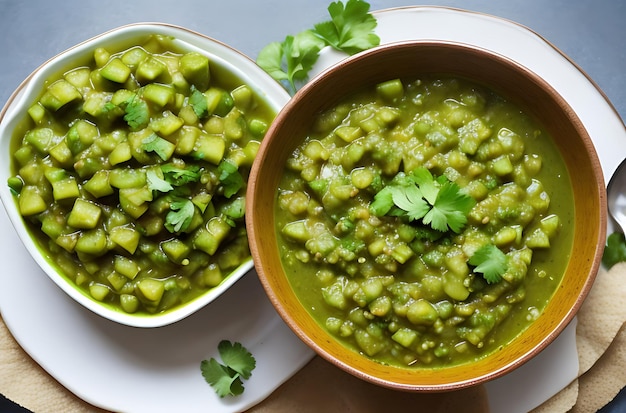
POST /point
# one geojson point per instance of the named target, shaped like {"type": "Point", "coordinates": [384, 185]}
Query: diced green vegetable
{"type": "Point", "coordinates": [59, 94]}
{"type": "Point", "coordinates": [125, 237]}
{"type": "Point", "coordinates": [84, 214]}
{"type": "Point", "coordinates": [391, 89]}
{"type": "Point", "coordinates": [92, 242]}
{"type": "Point", "coordinates": [151, 289]}
{"type": "Point", "coordinates": [115, 70]}
{"type": "Point", "coordinates": [195, 68]}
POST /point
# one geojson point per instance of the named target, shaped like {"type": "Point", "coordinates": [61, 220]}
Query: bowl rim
{"type": "Point", "coordinates": [502, 369]}
{"type": "Point", "coordinates": [14, 110]}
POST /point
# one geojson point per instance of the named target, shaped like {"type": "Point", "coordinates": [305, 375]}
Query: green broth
{"type": "Point", "coordinates": [396, 290]}
{"type": "Point", "coordinates": [130, 171]}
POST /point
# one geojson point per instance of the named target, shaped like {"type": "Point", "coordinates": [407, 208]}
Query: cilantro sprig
{"type": "Point", "coordinates": [157, 182]}
{"type": "Point", "coordinates": [438, 203]}
{"type": "Point", "coordinates": [227, 377]}
{"type": "Point", "coordinates": [180, 215]}
{"type": "Point", "coordinates": [155, 143]}
{"type": "Point", "coordinates": [491, 262]}
{"type": "Point", "coordinates": [178, 176]}
{"type": "Point", "coordinates": [136, 111]}
{"type": "Point", "coordinates": [230, 178]}
{"type": "Point", "coordinates": [290, 61]}
{"type": "Point", "coordinates": [615, 250]}
{"type": "Point", "coordinates": [351, 30]}
{"type": "Point", "coordinates": [198, 103]}
{"type": "Point", "coordinates": [170, 179]}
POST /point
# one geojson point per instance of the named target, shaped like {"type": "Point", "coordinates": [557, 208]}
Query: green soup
{"type": "Point", "coordinates": [425, 222]}
{"type": "Point", "coordinates": [131, 171]}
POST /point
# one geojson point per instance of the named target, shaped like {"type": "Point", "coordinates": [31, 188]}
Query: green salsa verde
{"type": "Point", "coordinates": [131, 171]}
{"type": "Point", "coordinates": [418, 282]}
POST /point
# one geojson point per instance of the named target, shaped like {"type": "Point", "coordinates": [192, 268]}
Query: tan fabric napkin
{"type": "Point", "coordinates": [319, 386]}
{"type": "Point", "coordinates": [601, 343]}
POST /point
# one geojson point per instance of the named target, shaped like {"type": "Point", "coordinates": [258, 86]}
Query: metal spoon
{"type": "Point", "coordinates": [616, 196]}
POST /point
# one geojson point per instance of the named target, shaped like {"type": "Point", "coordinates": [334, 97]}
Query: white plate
{"type": "Point", "coordinates": [129, 370]}
{"type": "Point", "coordinates": [553, 369]}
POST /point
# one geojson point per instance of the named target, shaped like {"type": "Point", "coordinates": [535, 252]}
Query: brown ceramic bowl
{"type": "Point", "coordinates": [410, 59]}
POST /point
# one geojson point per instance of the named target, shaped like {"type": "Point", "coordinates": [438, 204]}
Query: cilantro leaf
{"type": "Point", "coordinates": [231, 179]}
{"type": "Point", "coordinates": [615, 250]}
{"type": "Point", "coordinates": [180, 176]}
{"type": "Point", "coordinates": [156, 182]}
{"type": "Point", "coordinates": [226, 378]}
{"type": "Point", "coordinates": [219, 376]}
{"type": "Point", "coordinates": [450, 209]}
{"type": "Point", "coordinates": [154, 143]}
{"type": "Point", "coordinates": [303, 54]}
{"type": "Point", "coordinates": [237, 358]}
{"type": "Point", "coordinates": [426, 182]}
{"type": "Point", "coordinates": [383, 202]}
{"type": "Point", "coordinates": [410, 200]}
{"type": "Point", "coordinates": [108, 107]}
{"type": "Point", "coordinates": [351, 29]}
{"type": "Point", "coordinates": [198, 102]}
{"type": "Point", "coordinates": [291, 60]}
{"type": "Point", "coordinates": [180, 215]}
{"type": "Point", "coordinates": [436, 219]}
{"type": "Point", "coordinates": [270, 59]}
{"type": "Point", "coordinates": [137, 114]}
{"type": "Point", "coordinates": [490, 261]}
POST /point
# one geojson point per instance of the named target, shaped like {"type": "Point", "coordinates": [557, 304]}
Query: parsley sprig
{"type": "Point", "coordinates": [351, 30]}
{"type": "Point", "coordinates": [438, 203]}
{"type": "Point", "coordinates": [227, 377]}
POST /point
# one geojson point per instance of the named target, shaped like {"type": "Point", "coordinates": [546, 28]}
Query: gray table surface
{"type": "Point", "coordinates": [591, 32]}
